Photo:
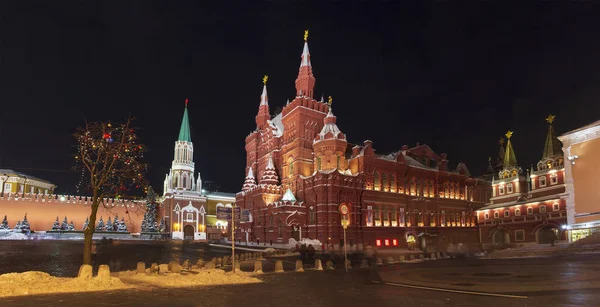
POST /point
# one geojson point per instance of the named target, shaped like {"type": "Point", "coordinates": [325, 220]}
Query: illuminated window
{"type": "Point", "coordinates": [443, 218]}
{"type": "Point", "coordinates": [319, 163]}
{"type": "Point", "coordinates": [542, 208]}
{"type": "Point", "coordinates": [384, 180]}
{"type": "Point", "coordinates": [395, 242]}
{"type": "Point", "coordinates": [506, 213]}
{"type": "Point", "coordinates": [517, 212]}
{"type": "Point", "coordinates": [509, 188]}
{"type": "Point", "coordinates": [529, 211]}
{"type": "Point", "coordinates": [410, 239]}
{"type": "Point", "coordinates": [387, 242]}
{"type": "Point", "coordinates": [189, 217]}
{"type": "Point", "coordinates": [542, 181]}
{"type": "Point", "coordinates": [376, 181]}
{"type": "Point", "coordinates": [553, 178]}
{"type": "Point", "coordinates": [338, 162]}
{"type": "Point", "coordinates": [378, 242]}
{"type": "Point", "coordinates": [393, 183]}
{"type": "Point", "coordinates": [555, 207]}
{"type": "Point", "coordinates": [486, 216]}
{"type": "Point", "coordinates": [501, 189]}
{"type": "Point", "coordinates": [496, 214]}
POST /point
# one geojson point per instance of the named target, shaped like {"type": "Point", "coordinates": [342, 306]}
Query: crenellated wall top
{"type": "Point", "coordinates": [67, 199]}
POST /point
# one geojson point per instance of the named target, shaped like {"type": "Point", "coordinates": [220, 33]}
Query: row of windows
{"type": "Point", "coordinates": [32, 190]}
{"type": "Point", "coordinates": [419, 187]}
{"type": "Point", "coordinates": [542, 209]}
{"type": "Point", "coordinates": [542, 183]}
{"type": "Point", "coordinates": [390, 217]}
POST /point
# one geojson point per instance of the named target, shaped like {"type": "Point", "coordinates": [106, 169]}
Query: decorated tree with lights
{"type": "Point", "coordinates": [149, 224]}
{"type": "Point", "coordinates": [161, 226]}
{"type": "Point", "coordinates": [25, 224]}
{"type": "Point", "coordinates": [122, 226]}
{"type": "Point", "coordinates": [4, 225]}
{"type": "Point", "coordinates": [109, 225]}
{"type": "Point", "coordinates": [65, 225]}
{"type": "Point", "coordinates": [56, 226]}
{"type": "Point", "coordinates": [71, 226]}
{"type": "Point", "coordinates": [110, 156]}
{"type": "Point", "coordinates": [100, 226]}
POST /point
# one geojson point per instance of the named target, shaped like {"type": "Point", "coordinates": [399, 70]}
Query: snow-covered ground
{"type": "Point", "coordinates": [10, 235]}
{"type": "Point", "coordinates": [28, 283]}
{"type": "Point", "coordinates": [196, 278]}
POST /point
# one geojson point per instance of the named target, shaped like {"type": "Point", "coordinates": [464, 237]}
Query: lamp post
{"type": "Point", "coordinates": [345, 222]}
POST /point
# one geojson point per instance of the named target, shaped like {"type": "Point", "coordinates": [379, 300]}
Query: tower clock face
{"type": "Point", "coordinates": [344, 209]}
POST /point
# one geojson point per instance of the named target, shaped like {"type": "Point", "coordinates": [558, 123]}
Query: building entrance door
{"type": "Point", "coordinates": [188, 232]}
{"type": "Point", "coordinates": [501, 237]}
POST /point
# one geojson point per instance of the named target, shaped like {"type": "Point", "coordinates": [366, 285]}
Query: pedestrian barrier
{"type": "Point", "coordinates": [278, 266]}
{"type": "Point", "coordinates": [141, 268]}
{"type": "Point", "coordinates": [318, 265]}
{"type": "Point", "coordinates": [258, 266]}
{"type": "Point", "coordinates": [103, 272]}
{"type": "Point", "coordinates": [299, 266]}
{"type": "Point", "coordinates": [85, 271]}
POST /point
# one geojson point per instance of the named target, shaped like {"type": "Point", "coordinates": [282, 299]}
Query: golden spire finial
{"type": "Point", "coordinates": [501, 142]}
{"type": "Point", "coordinates": [329, 101]}
{"type": "Point", "coordinates": [265, 79]}
{"type": "Point", "coordinates": [550, 119]}
{"type": "Point", "coordinates": [509, 134]}
{"type": "Point", "coordinates": [305, 35]}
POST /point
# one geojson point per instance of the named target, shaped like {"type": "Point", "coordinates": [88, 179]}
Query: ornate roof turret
{"type": "Point", "coordinates": [250, 181]}
{"type": "Point", "coordinates": [552, 147]}
{"type": "Point", "coordinates": [264, 99]}
{"type": "Point", "coordinates": [330, 129]}
{"type": "Point", "coordinates": [263, 115]}
{"type": "Point", "coordinates": [289, 196]}
{"type": "Point", "coordinates": [269, 176]}
{"type": "Point", "coordinates": [184, 131]}
{"type": "Point", "coordinates": [305, 83]}
{"type": "Point", "coordinates": [510, 159]}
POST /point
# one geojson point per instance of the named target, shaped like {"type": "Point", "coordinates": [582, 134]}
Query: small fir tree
{"type": "Point", "coordinates": [122, 225]}
{"type": "Point", "coordinates": [56, 225]}
{"type": "Point", "coordinates": [161, 227]}
{"type": "Point", "coordinates": [18, 226]}
{"type": "Point", "coordinates": [65, 225]}
{"type": "Point", "coordinates": [25, 224]}
{"type": "Point", "coordinates": [109, 225]}
{"type": "Point", "coordinates": [149, 224]}
{"type": "Point", "coordinates": [116, 223]}
{"type": "Point", "coordinates": [100, 226]}
{"type": "Point", "coordinates": [4, 225]}
{"type": "Point", "coordinates": [85, 225]}
{"type": "Point", "coordinates": [71, 226]}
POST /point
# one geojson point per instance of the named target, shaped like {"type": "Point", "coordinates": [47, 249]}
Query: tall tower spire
{"type": "Point", "coordinates": [305, 83]}
{"type": "Point", "coordinates": [552, 147]}
{"type": "Point", "coordinates": [263, 109]}
{"type": "Point", "coordinates": [510, 159]}
{"type": "Point", "coordinates": [184, 131]}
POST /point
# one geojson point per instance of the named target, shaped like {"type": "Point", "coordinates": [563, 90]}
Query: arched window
{"type": "Point", "coordinates": [529, 211]}
{"type": "Point", "coordinates": [280, 230]}
{"type": "Point", "coordinates": [446, 190]}
{"type": "Point", "coordinates": [506, 213]}
{"type": "Point", "coordinates": [413, 186]}
{"type": "Point", "coordinates": [184, 181]}
{"type": "Point", "coordinates": [509, 188]}
{"type": "Point", "coordinates": [443, 218]}
{"type": "Point", "coordinates": [542, 181]}
{"type": "Point", "coordinates": [496, 214]}
{"type": "Point", "coordinates": [555, 207]}
{"type": "Point", "coordinates": [517, 212]}
{"type": "Point", "coordinates": [542, 208]}
{"type": "Point", "coordinates": [553, 178]}
{"type": "Point", "coordinates": [318, 163]}
{"type": "Point", "coordinates": [486, 216]}
{"type": "Point", "coordinates": [338, 161]}
{"type": "Point", "coordinates": [393, 183]}
{"type": "Point", "coordinates": [501, 190]}
{"type": "Point", "coordinates": [431, 189]}
{"type": "Point", "coordinates": [376, 180]}
{"type": "Point", "coordinates": [384, 180]}
{"type": "Point", "coordinates": [418, 187]}
{"type": "Point", "coordinates": [312, 216]}
{"type": "Point", "coordinates": [290, 166]}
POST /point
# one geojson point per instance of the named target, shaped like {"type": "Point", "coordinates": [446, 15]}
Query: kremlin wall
{"type": "Point", "coordinates": [42, 210]}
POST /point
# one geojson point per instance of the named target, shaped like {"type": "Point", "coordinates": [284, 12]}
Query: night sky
{"type": "Point", "coordinates": [455, 77]}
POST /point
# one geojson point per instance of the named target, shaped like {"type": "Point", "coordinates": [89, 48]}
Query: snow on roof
{"type": "Point", "coordinates": [264, 100]}
{"type": "Point", "coordinates": [305, 55]}
{"type": "Point", "coordinates": [289, 196]}
{"type": "Point", "coordinates": [277, 125]}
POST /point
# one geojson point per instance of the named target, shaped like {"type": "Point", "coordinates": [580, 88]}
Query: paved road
{"type": "Point", "coordinates": [560, 281]}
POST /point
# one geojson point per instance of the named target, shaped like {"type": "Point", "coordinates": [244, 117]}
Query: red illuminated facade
{"type": "Point", "coordinates": [527, 208]}
{"type": "Point", "coordinates": [300, 167]}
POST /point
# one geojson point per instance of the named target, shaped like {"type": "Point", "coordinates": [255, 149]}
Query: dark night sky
{"type": "Point", "coordinates": [456, 77]}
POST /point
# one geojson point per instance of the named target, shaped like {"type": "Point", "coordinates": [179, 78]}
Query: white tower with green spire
{"type": "Point", "coordinates": [181, 176]}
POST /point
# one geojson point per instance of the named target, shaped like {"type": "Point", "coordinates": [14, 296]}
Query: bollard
{"type": "Point", "coordinates": [278, 266]}
{"type": "Point", "coordinates": [153, 268]}
{"type": "Point", "coordinates": [226, 260]}
{"type": "Point", "coordinates": [218, 262]}
{"type": "Point", "coordinates": [103, 272]}
{"type": "Point", "coordinates": [390, 260]}
{"type": "Point", "coordinates": [163, 268]}
{"type": "Point", "coordinates": [209, 265]}
{"type": "Point", "coordinates": [349, 264]}
{"type": "Point", "coordinates": [432, 256]}
{"type": "Point", "coordinates": [237, 266]}
{"type": "Point", "coordinates": [299, 266]}
{"type": "Point", "coordinates": [379, 261]}
{"type": "Point", "coordinates": [174, 267]}
{"type": "Point", "coordinates": [364, 263]}
{"type": "Point", "coordinates": [258, 266]}
{"type": "Point", "coordinates": [141, 268]}
{"type": "Point", "coordinates": [318, 265]}
{"type": "Point", "coordinates": [186, 266]}
{"type": "Point", "coordinates": [200, 263]}
{"type": "Point", "coordinates": [85, 271]}
{"type": "Point", "coordinates": [329, 265]}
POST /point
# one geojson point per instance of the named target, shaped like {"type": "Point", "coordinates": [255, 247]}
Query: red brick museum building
{"type": "Point", "coordinates": [300, 167]}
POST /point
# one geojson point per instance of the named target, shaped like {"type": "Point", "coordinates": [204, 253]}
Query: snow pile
{"type": "Point", "coordinates": [315, 243]}
{"type": "Point", "coordinates": [28, 283]}
{"type": "Point", "coordinates": [270, 250]}
{"type": "Point", "coordinates": [10, 235]}
{"type": "Point", "coordinates": [209, 277]}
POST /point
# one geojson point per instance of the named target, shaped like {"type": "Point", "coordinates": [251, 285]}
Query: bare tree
{"type": "Point", "coordinates": [111, 158]}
